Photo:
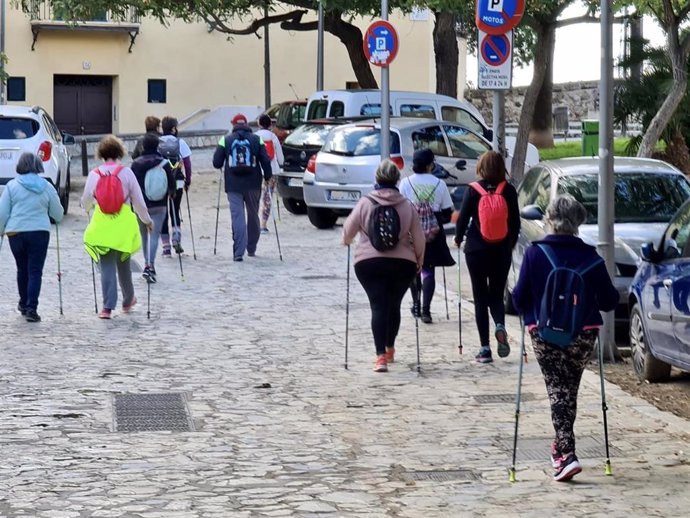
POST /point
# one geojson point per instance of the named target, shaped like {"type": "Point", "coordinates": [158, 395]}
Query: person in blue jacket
{"type": "Point", "coordinates": [26, 206]}
{"type": "Point", "coordinates": [562, 368]}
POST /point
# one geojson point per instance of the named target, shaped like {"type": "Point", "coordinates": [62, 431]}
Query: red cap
{"type": "Point", "coordinates": [239, 119]}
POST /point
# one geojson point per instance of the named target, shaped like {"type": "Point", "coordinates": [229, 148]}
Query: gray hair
{"type": "Point", "coordinates": [29, 163]}
{"type": "Point", "coordinates": [565, 214]}
{"type": "Point", "coordinates": [387, 172]}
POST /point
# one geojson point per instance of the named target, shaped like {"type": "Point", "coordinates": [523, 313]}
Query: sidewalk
{"type": "Point", "coordinates": [278, 426]}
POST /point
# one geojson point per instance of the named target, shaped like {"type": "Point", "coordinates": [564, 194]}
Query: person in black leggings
{"type": "Point", "coordinates": [386, 274]}
{"type": "Point", "coordinates": [488, 260]}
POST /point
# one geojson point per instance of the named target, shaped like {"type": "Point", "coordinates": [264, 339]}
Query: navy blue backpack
{"type": "Point", "coordinates": [564, 304]}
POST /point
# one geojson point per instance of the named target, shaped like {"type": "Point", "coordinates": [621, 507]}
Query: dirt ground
{"type": "Point", "coordinates": [672, 396]}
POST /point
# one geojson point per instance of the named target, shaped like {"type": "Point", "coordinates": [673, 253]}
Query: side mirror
{"type": "Point", "coordinates": [461, 165]}
{"type": "Point", "coordinates": [532, 212]}
{"type": "Point", "coordinates": [68, 139]}
{"type": "Point", "coordinates": [647, 252]}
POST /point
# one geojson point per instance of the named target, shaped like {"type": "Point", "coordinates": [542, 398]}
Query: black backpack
{"type": "Point", "coordinates": [383, 227]}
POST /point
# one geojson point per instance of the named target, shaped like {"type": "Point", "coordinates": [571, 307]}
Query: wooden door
{"type": "Point", "coordinates": [83, 104]}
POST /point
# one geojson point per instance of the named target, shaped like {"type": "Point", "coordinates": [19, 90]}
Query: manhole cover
{"type": "Point", "coordinates": [538, 448]}
{"type": "Point", "coordinates": [502, 398]}
{"type": "Point", "coordinates": [441, 475]}
{"type": "Point", "coordinates": [152, 412]}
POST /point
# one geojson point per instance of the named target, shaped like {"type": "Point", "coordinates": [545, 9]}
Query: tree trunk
{"type": "Point", "coordinates": [351, 36]}
{"type": "Point", "coordinates": [546, 35]}
{"type": "Point", "coordinates": [541, 133]}
{"type": "Point", "coordinates": [446, 54]}
{"type": "Point", "coordinates": [670, 104]}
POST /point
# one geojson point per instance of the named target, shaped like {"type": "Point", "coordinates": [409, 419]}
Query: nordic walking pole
{"type": "Point", "coordinates": [416, 330]}
{"type": "Point", "coordinates": [459, 308]}
{"type": "Point", "coordinates": [93, 275]}
{"type": "Point", "coordinates": [191, 228]}
{"type": "Point", "coordinates": [604, 407]}
{"type": "Point", "coordinates": [148, 283]}
{"type": "Point", "coordinates": [59, 273]}
{"type": "Point", "coordinates": [512, 263]}
{"type": "Point", "coordinates": [176, 224]}
{"type": "Point", "coordinates": [347, 306]}
{"type": "Point", "coordinates": [278, 205]}
{"type": "Point", "coordinates": [220, 184]}
{"type": "Point", "coordinates": [275, 226]}
{"type": "Point", "coordinates": [511, 470]}
{"type": "Point", "coordinates": [445, 292]}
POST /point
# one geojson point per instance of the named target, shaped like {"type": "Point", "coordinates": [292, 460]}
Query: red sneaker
{"type": "Point", "coordinates": [381, 364]}
{"type": "Point", "coordinates": [105, 314]}
{"type": "Point", "coordinates": [128, 308]}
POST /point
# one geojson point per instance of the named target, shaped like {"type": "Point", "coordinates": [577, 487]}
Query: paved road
{"type": "Point", "coordinates": [279, 427]}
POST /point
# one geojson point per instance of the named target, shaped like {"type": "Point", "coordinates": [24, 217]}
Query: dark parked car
{"type": "Point", "coordinates": [659, 303]}
{"type": "Point", "coordinates": [286, 116]}
{"type": "Point", "coordinates": [647, 195]}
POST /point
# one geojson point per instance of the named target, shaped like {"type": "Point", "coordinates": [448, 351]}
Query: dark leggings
{"type": "Point", "coordinates": [385, 281]}
{"type": "Point", "coordinates": [423, 287]}
{"type": "Point", "coordinates": [175, 217]}
{"type": "Point", "coordinates": [29, 250]}
{"type": "Point", "coordinates": [489, 273]}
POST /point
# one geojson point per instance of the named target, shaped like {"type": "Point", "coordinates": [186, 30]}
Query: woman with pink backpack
{"type": "Point", "coordinates": [491, 218]}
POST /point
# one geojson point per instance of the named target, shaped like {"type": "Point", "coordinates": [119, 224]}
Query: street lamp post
{"type": "Point", "coordinates": [385, 98]}
{"type": "Point", "coordinates": [319, 50]}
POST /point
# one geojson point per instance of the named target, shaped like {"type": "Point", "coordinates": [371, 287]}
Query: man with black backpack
{"type": "Point", "coordinates": [243, 157]}
{"type": "Point", "coordinates": [563, 285]}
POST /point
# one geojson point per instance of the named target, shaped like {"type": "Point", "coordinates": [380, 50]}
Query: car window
{"type": "Point", "coordinates": [373, 110]}
{"type": "Point", "coordinates": [17, 128]}
{"type": "Point", "coordinates": [273, 111]}
{"type": "Point", "coordinates": [358, 141]}
{"type": "Point", "coordinates": [337, 109]}
{"type": "Point", "coordinates": [526, 188]}
{"type": "Point", "coordinates": [56, 130]}
{"type": "Point", "coordinates": [638, 197]}
{"type": "Point", "coordinates": [430, 137]}
{"type": "Point", "coordinates": [317, 109]}
{"type": "Point", "coordinates": [297, 113]}
{"type": "Point", "coordinates": [423, 111]}
{"type": "Point", "coordinates": [542, 195]}
{"type": "Point", "coordinates": [50, 129]}
{"type": "Point", "coordinates": [678, 233]}
{"type": "Point", "coordinates": [463, 117]}
{"type": "Point", "coordinates": [309, 135]}
{"type": "Point", "coordinates": [465, 144]}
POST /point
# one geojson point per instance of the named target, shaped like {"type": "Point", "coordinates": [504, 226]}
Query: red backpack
{"type": "Point", "coordinates": [493, 213]}
{"type": "Point", "coordinates": [108, 193]}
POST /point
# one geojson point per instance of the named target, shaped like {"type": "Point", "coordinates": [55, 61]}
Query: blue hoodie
{"type": "Point", "coordinates": [26, 204]}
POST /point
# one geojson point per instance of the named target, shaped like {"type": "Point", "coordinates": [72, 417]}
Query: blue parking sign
{"type": "Point", "coordinates": [499, 16]}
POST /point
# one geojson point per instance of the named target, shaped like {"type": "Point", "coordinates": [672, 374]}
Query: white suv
{"type": "Point", "coordinates": [24, 128]}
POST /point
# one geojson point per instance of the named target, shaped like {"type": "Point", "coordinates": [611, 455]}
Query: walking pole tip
{"type": "Point", "coordinates": [511, 475]}
{"type": "Point", "coordinates": [607, 468]}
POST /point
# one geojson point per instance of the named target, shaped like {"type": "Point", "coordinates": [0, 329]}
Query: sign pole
{"type": "Point", "coordinates": [385, 98]}
{"type": "Point", "coordinates": [499, 122]}
{"type": "Point", "coordinates": [319, 50]}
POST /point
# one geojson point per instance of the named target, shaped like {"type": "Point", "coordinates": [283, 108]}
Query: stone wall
{"type": "Point", "coordinates": [581, 98]}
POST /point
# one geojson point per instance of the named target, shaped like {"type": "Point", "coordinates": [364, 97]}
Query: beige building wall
{"type": "Point", "coordinates": [202, 69]}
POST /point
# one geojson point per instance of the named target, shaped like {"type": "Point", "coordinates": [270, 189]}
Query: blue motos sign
{"type": "Point", "coordinates": [499, 16]}
{"type": "Point", "coordinates": [381, 43]}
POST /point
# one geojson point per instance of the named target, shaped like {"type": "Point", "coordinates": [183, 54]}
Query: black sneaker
{"type": "Point", "coordinates": [21, 309]}
{"type": "Point", "coordinates": [237, 259]}
{"type": "Point", "coordinates": [178, 248]}
{"type": "Point", "coordinates": [502, 339]}
{"type": "Point", "coordinates": [568, 468]}
{"type": "Point", "coordinates": [32, 316]}
{"type": "Point", "coordinates": [426, 317]}
{"type": "Point", "coordinates": [146, 274]}
{"type": "Point", "coordinates": [484, 356]}
{"type": "Point", "coordinates": [416, 310]}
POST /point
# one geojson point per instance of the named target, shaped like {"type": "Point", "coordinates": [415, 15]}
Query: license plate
{"type": "Point", "coordinates": [344, 195]}
{"type": "Point", "coordinates": [295, 182]}
{"type": "Point", "coordinates": [6, 155]}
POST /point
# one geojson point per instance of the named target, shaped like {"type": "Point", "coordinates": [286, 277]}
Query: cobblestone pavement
{"type": "Point", "coordinates": [280, 428]}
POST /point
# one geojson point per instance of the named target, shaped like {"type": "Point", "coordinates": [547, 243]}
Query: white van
{"type": "Point", "coordinates": [355, 103]}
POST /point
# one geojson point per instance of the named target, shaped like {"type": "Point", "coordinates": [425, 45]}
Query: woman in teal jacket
{"type": "Point", "coordinates": [26, 206]}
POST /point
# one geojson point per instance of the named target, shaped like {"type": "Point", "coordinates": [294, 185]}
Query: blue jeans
{"type": "Point", "coordinates": [244, 212]}
{"type": "Point", "coordinates": [29, 250]}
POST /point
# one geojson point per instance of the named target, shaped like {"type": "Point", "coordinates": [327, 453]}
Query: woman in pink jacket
{"type": "Point", "coordinates": [386, 275]}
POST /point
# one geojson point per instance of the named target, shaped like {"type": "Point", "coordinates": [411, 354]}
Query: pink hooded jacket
{"type": "Point", "coordinates": [412, 242]}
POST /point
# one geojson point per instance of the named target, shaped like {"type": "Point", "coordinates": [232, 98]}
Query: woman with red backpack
{"type": "Point", "coordinates": [112, 235]}
{"type": "Point", "coordinates": [491, 218]}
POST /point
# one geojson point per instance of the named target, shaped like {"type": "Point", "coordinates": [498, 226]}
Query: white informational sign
{"type": "Point", "coordinates": [495, 54]}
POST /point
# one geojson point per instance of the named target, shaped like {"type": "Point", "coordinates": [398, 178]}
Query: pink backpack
{"type": "Point", "coordinates": [493, 213]}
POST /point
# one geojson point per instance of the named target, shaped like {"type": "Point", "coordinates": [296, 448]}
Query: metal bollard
{"type": "Point", "coordinates": [84, 159]}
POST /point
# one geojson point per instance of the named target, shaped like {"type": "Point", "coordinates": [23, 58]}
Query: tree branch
{"type": "Point", "coordinates": [586, 18]}
{"type": "Point", "coordinates": [217, 24]}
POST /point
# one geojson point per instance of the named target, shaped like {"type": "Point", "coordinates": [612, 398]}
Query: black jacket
{"type": "Point", "coordinates": [469, 221]}
{"type": "Point", "coordinates": [241, 180]}
{"type": "Point", "coordinates": [141, 166]}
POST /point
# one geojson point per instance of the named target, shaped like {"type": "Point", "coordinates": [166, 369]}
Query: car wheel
{"type": "Point", "coordinates": [294, 206]}
{"type": "Point", "coordinates": [646, 366]}
{"type": "Point", "coordinates": [321, 218]}
{"type": "Point", "coordinates": [508, 302]}
{"type": "Point", "coordinates": [64, 194]}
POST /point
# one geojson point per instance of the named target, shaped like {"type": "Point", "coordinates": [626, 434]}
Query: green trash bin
{"type": "Point", "coordinates": [590, 138]}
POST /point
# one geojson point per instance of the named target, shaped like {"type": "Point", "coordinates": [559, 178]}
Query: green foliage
{"type": "Point", "coordinates": [3, 62]}
{"type": "Point", "coordinates": [573, 148]}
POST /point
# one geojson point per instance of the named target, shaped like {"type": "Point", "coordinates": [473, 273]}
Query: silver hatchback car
{"type": "Point", "coordinates": [343, 171]}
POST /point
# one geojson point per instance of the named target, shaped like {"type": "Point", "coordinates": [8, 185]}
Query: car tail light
{"type": "Point", "coordinates": [311, 165]}
{"type": "Point", "coordinates": [398, 160]}
{"type": "Point", "coordinates": [44, 150]}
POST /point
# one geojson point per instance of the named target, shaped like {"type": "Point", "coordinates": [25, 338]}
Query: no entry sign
{"type": "Point", "coordinates": [495, 61]}
{"type": "Point", "coordinates": [381, 43]}
{"type": "Point", "coordinates": [499, 16]}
